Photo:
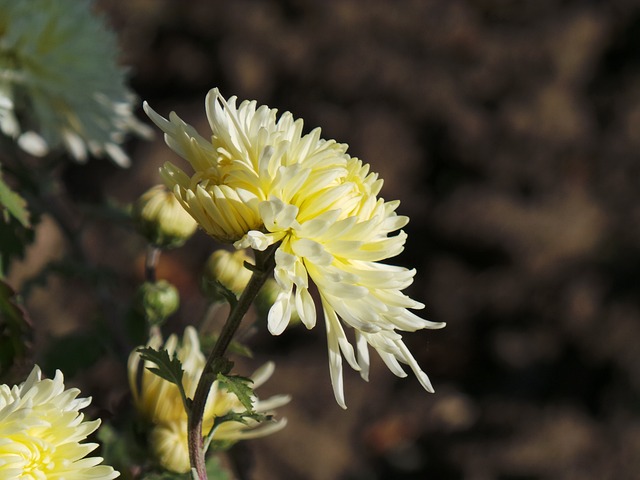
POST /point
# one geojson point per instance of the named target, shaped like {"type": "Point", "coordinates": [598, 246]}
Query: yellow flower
{"type": "Point", "coordinates": [41, 432]}
{"type": "Point", "coordinates": [321, 205]}
{"type": "Point", "coordinates": [60, 84]}
{"type": "Point", "coordinates": [161, 218]}
{"type": "Point", "coordinates": [159, 403]}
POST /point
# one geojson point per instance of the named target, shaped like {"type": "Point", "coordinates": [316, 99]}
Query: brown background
{"type": "Point", "coordinates": [510, 132]}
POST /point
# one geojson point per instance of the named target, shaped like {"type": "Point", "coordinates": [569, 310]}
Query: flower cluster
{"type": "Point", "coordinates": [60, 84]}
{"type": "Point", "coordinates": [41, 432]}
{"type": "Point", "coordinates": [159, 402]}
{"type": "Point", "coordinates": [260, 181]}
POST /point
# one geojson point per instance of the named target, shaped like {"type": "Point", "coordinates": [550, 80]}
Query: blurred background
{"type": "Point", "coordinates": [510, 132]}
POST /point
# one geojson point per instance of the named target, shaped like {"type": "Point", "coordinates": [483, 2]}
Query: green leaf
{"type": "Point", "coordinates": [240, 387]}
{"type": "Point", "coordinates": [215, 471]}
{"type": "Point", "coordinates": [122, 447]}
{"type": "Point", "coordinates": [15, 328]}
{"type": "Point", "coordinates": [169, 368]}
{"type": "Point", "coordinates": [166, 475]}
{"type": "Point", "coordinates": [63, 352]}
{"type": "Point", "coordinates": [14, 239]}
{"type": "Point", "coordinates": [208, 342]}
{"type": "Point", "coordinates": [13, 204]}
{"type": "Point", "coordinates": [221, 365]}
{"type": "Point", "coordinates": [216, 291]}
{"type": "Point", "coordinates": [240, 417]}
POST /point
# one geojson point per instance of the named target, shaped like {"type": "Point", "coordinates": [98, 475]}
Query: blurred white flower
{"type": "Point", "coordinates": [259, 181]}
{"type": "Point", "coordinates": [161, 219]}
{"type": "Point", "coordinates": [41, 432]}
{"type": "Point", "coordinates": [60, 84]}
{"type": "Point", "coordinates": [158, 401]}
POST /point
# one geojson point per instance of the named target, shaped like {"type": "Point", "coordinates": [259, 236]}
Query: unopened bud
{"type": "Point", "coordinates": [225, 270]}
{"type": "Point", "coordinates": [161, 219]}
{"type": "Point", "coordinates": [157, 301]}
{"type": "Point", "coordinates": [266, 298]}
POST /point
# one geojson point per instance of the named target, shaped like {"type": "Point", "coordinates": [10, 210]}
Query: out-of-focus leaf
{"type": "Point", "coordinates": [63, 352]}
{"type": "Point", "coordinates": [215, 471]}
{"type": "Point", "coordinates": [14, 239]}
{"type": "Point", "coordinates": [70, 268]}
{"type": "Point", "coordinates": [15, 329]}
{"type": "Point", "coordinates": [13, 204]}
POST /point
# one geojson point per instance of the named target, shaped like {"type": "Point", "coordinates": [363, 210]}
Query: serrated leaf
{"type": "Point", "coordinates": [13, 204]}
{"type": "Point", "coordinates": [168, 368]}
{"type": "Point", "coordinates": [239, 417]}
{"type": "Point", "coordinates": [240, 387]}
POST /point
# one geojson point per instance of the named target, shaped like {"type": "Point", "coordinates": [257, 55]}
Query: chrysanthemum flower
{"type": "Point", "coordinates": [60, 84]}
{"type": "Point", "coordinates": [159, 403]}
{"type": "Point", "coordinates": [259, 181]}
{"type": "Point", "coordinates": [41, 432]}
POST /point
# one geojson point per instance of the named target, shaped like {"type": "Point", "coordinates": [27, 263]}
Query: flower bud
{"type": "Point", "coordinates": [157, 301]}
{"type": "Point", "coordinates": [266, 298]}
{"type": "Point", "coordinates": [161, 219]}
{"type": "Point", "coordinates": [225, 269]}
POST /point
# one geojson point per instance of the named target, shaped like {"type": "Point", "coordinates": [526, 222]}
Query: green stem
{"type": "Point", "coordinates": [264, 265]}
{"type": "Point", "coordinates": [151, 263]}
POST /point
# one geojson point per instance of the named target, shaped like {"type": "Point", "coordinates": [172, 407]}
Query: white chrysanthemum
{"type": "Point", "coordinates": [260, 181]}
{"type": "Point", "coordinates": [41, 432]}
{"type": "Point", "coordinates": [60, 84]}
{"type": "Point", "coordinates": [158, 402]}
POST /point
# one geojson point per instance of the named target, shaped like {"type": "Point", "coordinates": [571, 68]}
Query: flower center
{"type": "Point", "coordinates": [39, 462]}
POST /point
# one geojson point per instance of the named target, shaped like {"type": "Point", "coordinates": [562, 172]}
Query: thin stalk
{"type": "Point", "coordinates": [151, 263]}
{"type": "Point", "coordinates": [150, 267]}
{"type": "Point", "coordinates": [264, 265]}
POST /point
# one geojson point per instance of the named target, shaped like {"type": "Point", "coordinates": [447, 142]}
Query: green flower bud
{"type": "Point", "coordinates": [266, 298]}
{"type": "Point", "coordinates": [225, 270]}
{"type": "Point", "coordinates": [157, 301]}
{"type": "Point", "coordinates": [161, 218]}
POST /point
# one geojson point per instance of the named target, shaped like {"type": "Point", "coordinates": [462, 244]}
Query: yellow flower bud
{"type": "Point", "coordinates": [161, 219]}
{"type": "Point", "coordinates": [226, 269]}
{"type": "Point", "coordinates": [267, 296]}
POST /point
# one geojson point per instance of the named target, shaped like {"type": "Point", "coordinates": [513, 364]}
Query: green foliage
{"type": "Point", "coordinates": [13, 205]}
{"type": "Point", "coordinates": [122, 448]}
{"type": "Point", "coordinates": [168, 368]}
{"type": "Point", "coordinates": [15, 329]}
{"type": "Point", "coordinates": [14, 239]}
{"type": "Point", "coordinates": [208, 341]}
{"type": "Point", "coordinates": [216, 291]}
{"type": "Point", "coordinates": [71, 268]}
{"type": "Point", "coordinates": [63, 352]}
{"type": "Point", "coordinates": [240, 387]}
{"type": "Point", "coordinates": [215, 471]}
